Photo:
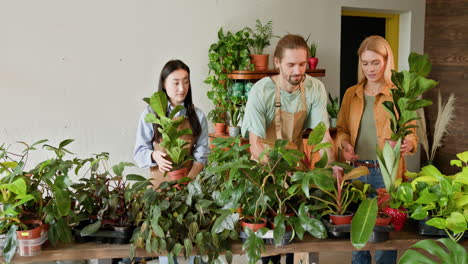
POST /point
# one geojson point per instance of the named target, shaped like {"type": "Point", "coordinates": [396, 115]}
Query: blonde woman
{"type": "Point", "coordinates": [363, 124]}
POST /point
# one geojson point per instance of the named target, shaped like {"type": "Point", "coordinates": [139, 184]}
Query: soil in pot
{"type": "Point", "coordinates": [383, 219]}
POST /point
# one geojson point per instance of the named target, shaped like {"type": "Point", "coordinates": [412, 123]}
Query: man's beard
{"type": "Point", "coordinates": [293, 81]}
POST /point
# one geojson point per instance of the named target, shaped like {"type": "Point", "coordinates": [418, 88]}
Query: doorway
{"type": "Point", "coordinates": [355, 27]}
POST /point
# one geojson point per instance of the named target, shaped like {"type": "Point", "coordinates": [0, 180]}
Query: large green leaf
{"type": "Point", "coordinates": [456, 222]}
{"type": "Point", "coordinates": [363, 223]}
{"type": "Point", "coordinates": [158, 102]}
{"type": "Point", "coordinates": [322, 180]}
{"type": "Point", "coordinates": [280, 228]}
{"type": "Point", "coordinates": [225, 221]}
{"type": "Point", "coordinates": [62, 200]}
{"type": "Point", "coordinates": [455, 254]}
{"type": "Point", "coordinates": [91, 228]}
{"type": "Point", "coordinates": [418, 104]}
{"type": "Point", "coordinates": [419, 64]}
{"type": "Point", "coordinates": [316, 136]}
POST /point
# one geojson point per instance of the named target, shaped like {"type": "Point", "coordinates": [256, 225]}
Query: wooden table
{"type": "Point", "coordinates": [307, 248]}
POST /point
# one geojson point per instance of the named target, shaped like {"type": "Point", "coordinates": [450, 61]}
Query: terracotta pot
{"type": "Point", "coordinates": [383, 219]}
{"type": "Point", "coordinates": [29, 241]}
{"type": "Point", "coordinates": [312, 63]}
{"type": "Point", "coordinates": [254, 227]}
{"type": "Point", "coordinates": [341, 219]}
{"type": "Point", "coordinates": [220, 128]}
{"type": "Point", "coordinates": [260, 61]}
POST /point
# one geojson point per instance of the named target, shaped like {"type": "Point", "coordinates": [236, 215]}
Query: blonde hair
{"type": "Point", "coordinates": [380, 46]}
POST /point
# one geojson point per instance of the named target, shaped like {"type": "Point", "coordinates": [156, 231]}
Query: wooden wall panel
{"type": "Point", "coordinates": [446, 42]}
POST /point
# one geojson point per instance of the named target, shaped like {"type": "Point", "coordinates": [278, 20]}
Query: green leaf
{"type": "Point", "coordinates": [65, 142]}
{"type": "Point", "coordinates": [418, 104]}
{"type": "Point", "coordinates": [419, 64]}
{"type": "Point", "coordinates": [226, 221]}
{"type": "Point", "coordinates": [91, 228]}
{"type": "Point", "coordinates": [463, 156]}
{"type": "Point", "coordinates": [280, 228]}
{"type": "Point", "coordinates": [188, 247]}
{"type": "Point", "coordinates": [456, 222]}
{"type": "Point", "coordinates": [10, 243]}
{"type": "Point", "coordinates": [322, 146]}
{"type": "Point", "coordinates": [158, 102]}
{"type": "Point", "coordinates": [437, 222]}
{"type": "Point", "coordinates": [62, 200]}
{"type": "Point", "coordinates": [135, 177]}
{"type": "Point", "coordinates": [322, 180]}
{"type": "Point", "coordinates": [316, 136]}
{"type": "Point", "coordinates": [363, 223]}
{"type": "Point", "coordinates": [322, 163]}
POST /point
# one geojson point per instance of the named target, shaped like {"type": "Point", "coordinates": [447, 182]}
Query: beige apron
{"type": "Point", "coordinates": [288, 126]}
{"type": "Point", "coordinates": [156, 175]}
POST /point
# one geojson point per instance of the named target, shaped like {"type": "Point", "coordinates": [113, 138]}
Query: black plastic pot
{"type": "Point", "coordinates": [268, 238]}
{"type": "Point", "coordinates": [117, 235]}
{"type": "Point", "coordinates": [380, 233]}
{"type": "Point", "coordinates": [427, 230]}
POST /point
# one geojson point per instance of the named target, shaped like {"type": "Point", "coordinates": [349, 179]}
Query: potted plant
{"type": "Point", "coordinates": [171, 143]}
{"type": "Point", "coordinates": [257, 188]}
{"type": "Point", "coordinates": [236, 111]}
{"type": "Point", "coordinates": [175, 221]}
{"type": "Point", "coordinates": [437, 200]}
{"type": "Point", "coordinates": [229, 53]}
{"type": "Point", "coordinates": [216, 116]}
{"type": "Point", "coordinates": [409, 86]}
{"type": "Point", "coordinates": [333, 108]}
{"type": "Point", "coordinates": [48, 183]}
{"type": "Point", "coordinates": [260, 38]}
{"type": "Point", "coordinates": [312, 60]}
{"type": "Point", "coordinates": [108, 200]}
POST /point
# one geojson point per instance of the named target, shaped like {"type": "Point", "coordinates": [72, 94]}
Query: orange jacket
{"type": "Point", "coordinates": [349, 120]}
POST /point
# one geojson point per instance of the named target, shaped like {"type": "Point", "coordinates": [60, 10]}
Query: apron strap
{"type": "Point", "coordinates": [303, 97]}
{"type": "Point", "coordinates": [278, 114]}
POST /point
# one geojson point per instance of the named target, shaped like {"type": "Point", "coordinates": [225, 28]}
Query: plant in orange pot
{"type": "Point", "coordinates": [260, 39]}
{"type": "Point", "coordinates": [171, 141]}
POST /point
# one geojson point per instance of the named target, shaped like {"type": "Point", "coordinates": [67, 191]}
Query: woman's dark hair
{"type": "Point", "coordinates": [169, 68]}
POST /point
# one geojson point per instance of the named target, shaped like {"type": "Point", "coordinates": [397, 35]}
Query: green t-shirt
{"type": "Point", "coordinates": [366, 141]}
{"type": "Point", "coordinates": [260, 108]}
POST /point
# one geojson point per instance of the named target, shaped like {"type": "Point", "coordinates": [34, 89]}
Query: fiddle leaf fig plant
{"type": "Point", "coordinates": [174, 146]}
{"type": "Point", "coordinates": [409, 86]}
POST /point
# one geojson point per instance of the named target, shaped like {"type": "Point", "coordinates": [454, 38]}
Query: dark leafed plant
{"type": "Point", "coordinates": [176, 221]}
{"type": "Point", "coordinates": [106, 196]}
{"type": "Point", "coordinates": [333, 107]}
{"type": "Point", "coordinates": [409, 86]}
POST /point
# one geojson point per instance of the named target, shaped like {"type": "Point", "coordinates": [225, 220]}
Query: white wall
{"type": "Point", "coordinates": [78, 69]}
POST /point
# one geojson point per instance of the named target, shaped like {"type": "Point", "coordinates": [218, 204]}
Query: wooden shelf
{"type": "Point", "coordinates": [398, 241]}
{"type": "Point", "coordinates": [256, 75]}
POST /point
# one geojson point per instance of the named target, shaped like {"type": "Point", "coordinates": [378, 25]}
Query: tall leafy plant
{"type": "Point", "coordinates": [229, 53]}
{"type": "Point", "coordinates": [409, 86]}
{"type": "Point", "coordinates": [174, 146]}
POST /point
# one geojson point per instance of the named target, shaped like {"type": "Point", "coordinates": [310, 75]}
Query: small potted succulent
{"type": "Point", "coordinates": [313, 60]}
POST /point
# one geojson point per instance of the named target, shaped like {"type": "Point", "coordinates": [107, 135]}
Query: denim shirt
{"type": "Point", "coordinates": [144, 139]}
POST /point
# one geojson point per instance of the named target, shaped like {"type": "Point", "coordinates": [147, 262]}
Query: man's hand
{"type": "Point", "coordinates": [348, 152]}
{"type": "Point", "coordinates": [406, 147]}
{"type": "Point", "coordinates": [164, 165]}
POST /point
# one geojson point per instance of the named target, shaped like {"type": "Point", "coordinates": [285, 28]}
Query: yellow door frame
{"type": "Point", "coordinates": [392, 27]}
